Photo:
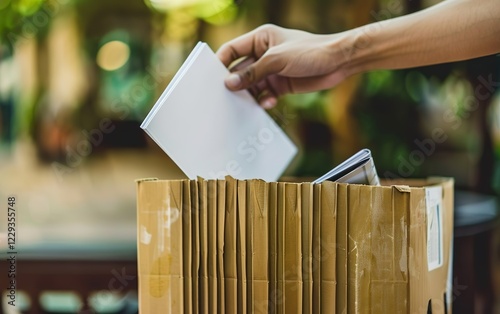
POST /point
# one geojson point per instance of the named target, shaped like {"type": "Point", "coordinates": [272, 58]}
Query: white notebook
{"type": "Point", "coordinates": [211, 132]}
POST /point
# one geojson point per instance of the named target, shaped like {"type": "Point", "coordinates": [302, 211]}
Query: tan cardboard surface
{"type": "Point", "coordinates": [328, 242]}
{"type": "Point", "coordinates": [171, 221]}
{"type": "Point", "coordinates": [241, 247]}
{"type": "Point", "coordinates": [195, 214]}
{"type": "Point", "coordinates": [391, 229]}
{"type": "Point", "coordinates": [233, 246]}
{"type": "Point", "coordinates": [342, 236]}
{"type": "Point", "coordinates": [401, 252]}
{"type": "Point", "coordinates": [212, 245]}
{"type": "Point", "coordinates": [221, 225]}
{"type": "Point", "coordinates": [292, 296]}
{"type": "Point", "coordinates": [359, 268]}
{"type": "Point", "coordinates": [274, 297]}
{"type": "Point", "coordinates": [429, 285]}
{"type": "Point", "coordinates": [307, 246]}
{"type": "Point", "coordinates": [230, 247]}
{"type": "Point", "coordinates": [160, 246]}
{"type": "Point", "coordinates": [187, 237]}
{"type": "Point", "coordinates": [280, 247]}
{"type": "Point", "coordinates": [250, 245]}
{"type": "Point", "coordinates": [316, 248]}
{"type": "Point", "coordinates": [385, 282]}
{"type": "Point", "coordinates": [258, 268]}
{"type": "Point", "coordinates": [203, 215]}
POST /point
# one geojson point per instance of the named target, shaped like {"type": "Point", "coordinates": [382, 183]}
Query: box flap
{"type": "Point", "coordinates": [145, 179]}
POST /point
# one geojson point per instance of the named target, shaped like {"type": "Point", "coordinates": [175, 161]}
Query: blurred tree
{"type": "Point", "coordinates": [23, 19]}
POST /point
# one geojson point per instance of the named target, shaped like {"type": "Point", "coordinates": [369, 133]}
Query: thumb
{"type": "Point", "coordinates": [250, 75]}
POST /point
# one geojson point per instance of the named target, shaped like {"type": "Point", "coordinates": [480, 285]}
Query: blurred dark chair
{"type": "Point", "coordinates": [82, 269]}
{"type": "Point", "coordinates": [476, 264]}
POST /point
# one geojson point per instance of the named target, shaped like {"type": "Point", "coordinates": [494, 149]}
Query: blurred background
{"type": "Point", "coordinates": [78, 77]}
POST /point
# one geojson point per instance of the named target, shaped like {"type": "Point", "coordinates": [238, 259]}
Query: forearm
{"type": "Point", "coordinates": [450, 31]}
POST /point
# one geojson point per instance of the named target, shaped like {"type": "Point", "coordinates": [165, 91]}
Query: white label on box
{"type": "Point", "coordinates": [434, 207]}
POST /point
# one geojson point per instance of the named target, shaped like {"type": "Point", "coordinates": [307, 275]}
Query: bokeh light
{"type": "Point", "coordinates": [113, 55]}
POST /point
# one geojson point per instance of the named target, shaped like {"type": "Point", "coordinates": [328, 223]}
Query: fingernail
{"type": "Point", "coordinates": [267, 104]}
{"type": "Point", "coordinates": [233, 80]}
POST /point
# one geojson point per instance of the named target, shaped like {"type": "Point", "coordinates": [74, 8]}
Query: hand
{"type": "Point", "coordinates": [280, 61]}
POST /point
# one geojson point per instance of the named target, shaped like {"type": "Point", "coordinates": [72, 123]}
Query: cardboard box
{"type": "Point", "coordinates": [233, 246]}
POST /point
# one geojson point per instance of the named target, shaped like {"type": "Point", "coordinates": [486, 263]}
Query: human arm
{"type": "Point", "coordinates": [290, 61]}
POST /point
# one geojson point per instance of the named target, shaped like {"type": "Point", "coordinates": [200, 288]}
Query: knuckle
{"type": "Point", "coordinates": [274, 60]}
{"type": "Point", "coordinates": [224, 46]}
{"type": "Point", "coordinates": [268, 27]}
{"type": "Point", "coordinates": [249, 74]}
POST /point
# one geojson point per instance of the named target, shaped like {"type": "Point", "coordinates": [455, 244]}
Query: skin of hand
{"type": "Point", "coordinates": [281, 61]}
{"type": "Point", "coordinates": [278, 61]}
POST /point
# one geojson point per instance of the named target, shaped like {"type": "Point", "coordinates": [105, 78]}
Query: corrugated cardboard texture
{"type": "Point", "coordinates": [212, 246]}
{"type": "Point", "coordinates": [221, 222]}
{"type": "Point", "coordinates": [316, 248]}
{"type": "Point", "coordinates": [307, 211]}
{"type": "Point", "coordinates": [258, 247]}
{"type": "Point", "coordinates": [292, 249]}
{"type": "Point", "coordinates": [195, 227]}
{"type": "Point", "coordinates": [230, 249]}
{"type": "Point", "coordinates": [160, 241]}
{"type": "Point", "coordinates": [327, 246]}
{"type": "Point", "coordinates": [187, 245]}
{"type": "Point", "coordinates": [241, 265]}
{"type": "Point", "coordinates": [203, 216]}
{"type": "Point", "coordinates": [232, 246]}
{"type": "Point", "coordinates": [274, 296]}
{"type": "Point", "coordinates": [342, 236]}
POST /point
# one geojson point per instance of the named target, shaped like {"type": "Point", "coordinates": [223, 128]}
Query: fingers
{"type": "Point", "coordinates": [254, 73]}
{"type": "Point", "coordinates": [233, 82]}
{"type": "Point", "coordinates": [321, 82]}
{"type": "Point", "coordinates": [267, 91]}
{"type": "Point", "coordinates": [242, 46]}
{"type": "Point", "coordinates": [277, 61]}
{"type": "Point", "coordinates": [268, 102]}
{"type": "Point", "coordinates": [242, 64]}
{"type": "Point", "coordinates": [264, 93]}
{"type": "Point", "coordinates": [258, 64]}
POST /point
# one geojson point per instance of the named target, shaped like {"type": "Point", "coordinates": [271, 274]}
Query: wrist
{"type": "Point", "coordinates": [357, 50]}
{"type": "Point", "coordinates": [364, 48]}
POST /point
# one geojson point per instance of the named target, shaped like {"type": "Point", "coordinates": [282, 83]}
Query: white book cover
{"type": "Point", "coordinates": [210, 131]}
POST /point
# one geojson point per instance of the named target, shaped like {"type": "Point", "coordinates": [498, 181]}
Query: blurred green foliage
{"type": "Point", "coordinates": [388, 117]}
{"type": "Point", "coordinates": [14, 16]}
